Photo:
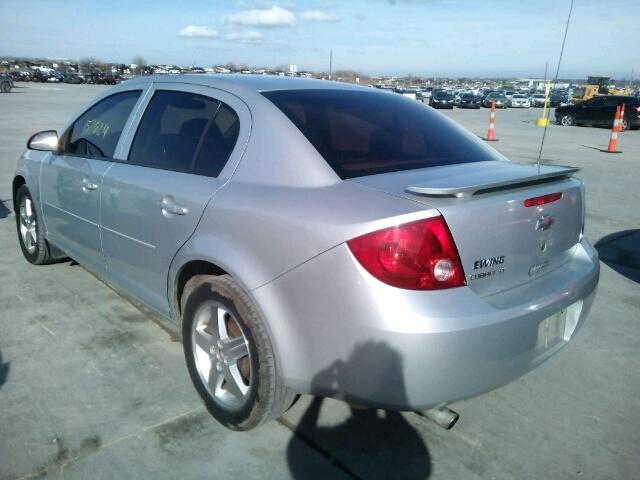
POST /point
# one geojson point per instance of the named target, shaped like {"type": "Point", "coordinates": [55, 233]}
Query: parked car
{"type": "Point", "coordinates": [312, 237]}
{"type": "Point", "coordinates": [16, 76]}
{"type": "Point", "coordinates": [101, 79]}
{"type": "Point", "coordinates": [537, 100]}
{"type": "Point", "coordinates": [499, 98]}
{"type": "Point", "coordinates": [509, 94]}
{"type": "Point", "coordinates": [6, 83]}
{"type": "Point", "coordinates": [441, 99]}
{"type": "Point", "coordinates": [73, 78]}
{"type": "Point", "coordinates": [55, 78]}
{"type": "Point", "coordinates": [558, 98]}
{"type": "Point", "coordinates": [519, 100]}
{"type": "Point", "coordinates": [469, 100]}
{"type": "Point", "coordinates": [600, 111]}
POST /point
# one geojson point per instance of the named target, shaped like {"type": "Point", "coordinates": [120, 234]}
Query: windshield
{"type": "Point", "coordinates": [364, 133]}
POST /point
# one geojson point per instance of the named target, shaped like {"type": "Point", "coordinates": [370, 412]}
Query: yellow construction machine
{"type": "Point", "coordinates": [597, 86]}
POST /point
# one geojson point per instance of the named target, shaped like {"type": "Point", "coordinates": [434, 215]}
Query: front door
{"type": "Point", "coordinates": [71, 181]}
{"type": "Point", "coordinates": [592, 111]}
{"type": "Point", "coordinates": [151, 203]}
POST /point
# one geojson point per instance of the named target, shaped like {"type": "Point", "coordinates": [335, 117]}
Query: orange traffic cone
{"type": "Point", "coordinates": [621, 118]}
{"type": "Point", "coordinates": [491, 133]}
{"type": "Point", "coordinates": [613, 140]}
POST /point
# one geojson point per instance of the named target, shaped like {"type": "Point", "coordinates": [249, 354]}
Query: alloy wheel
{"type": "Point", "coordinates": [567, 120]}
{"type": "Point", "coordinates": [221, 354]}
{"type": "Point", "coordinates": [28, 225]}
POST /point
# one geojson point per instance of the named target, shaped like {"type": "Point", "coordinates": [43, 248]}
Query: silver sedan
{"type": "Point", "coordinates": [312, 237]}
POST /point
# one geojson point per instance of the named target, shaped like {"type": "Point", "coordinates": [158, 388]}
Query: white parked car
{"type": "Point", "coordinates": [537, 100]}
{"type": "Point", "coordinates": [520, 101]}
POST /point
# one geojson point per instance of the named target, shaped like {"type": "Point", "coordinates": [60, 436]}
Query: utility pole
{"type": "Point", "coordinates": [630, 79]}
{"type": "Point", "coordinates": [330, 62]}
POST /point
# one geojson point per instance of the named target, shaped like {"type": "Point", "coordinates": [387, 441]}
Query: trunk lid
{"type": "Point", "coordinates": [502, 244]}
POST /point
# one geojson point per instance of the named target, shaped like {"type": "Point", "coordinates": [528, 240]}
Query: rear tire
{"type": "Point", "coordinates": [5, 87]}
{"type": "Point", "coordinates": [34, 246]}
{"type": "Point", "coordinates": [219, 323]}
{"type": "Point", "coordinates": [624, 125]}
{"type": "Point", "coordinates": [567, 120]}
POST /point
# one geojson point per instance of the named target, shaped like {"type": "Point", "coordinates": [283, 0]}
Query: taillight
{"type": "Point", "coordinates": [537, 201]}
{"type": "Point", "coordinates": [419, 255]}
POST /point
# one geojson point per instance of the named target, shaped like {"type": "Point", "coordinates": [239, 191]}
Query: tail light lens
{"type": "Point", "coordinates": [537, 201]}
{"type": "Point", "coordinates": [418, 255]}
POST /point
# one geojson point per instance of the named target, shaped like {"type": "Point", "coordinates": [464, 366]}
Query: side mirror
{"type": "Point", "coordinates": [46, 141]}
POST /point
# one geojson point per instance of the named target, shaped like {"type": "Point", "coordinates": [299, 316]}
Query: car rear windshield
{"type": "Point", "coordinates": [365, 133]}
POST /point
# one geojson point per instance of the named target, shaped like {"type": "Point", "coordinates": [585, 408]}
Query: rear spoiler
{"type": "Point", "coordinates": [491, 180]}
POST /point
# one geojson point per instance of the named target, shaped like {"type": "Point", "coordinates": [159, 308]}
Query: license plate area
{"type": "Point", "coordinates": [551, 330]}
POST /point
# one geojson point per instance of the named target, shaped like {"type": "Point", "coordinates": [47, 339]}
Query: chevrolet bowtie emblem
{"type": "Point", "coordinates": [545, 222]}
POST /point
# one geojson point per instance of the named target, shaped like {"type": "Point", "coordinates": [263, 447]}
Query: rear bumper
{"type": "Point", "coordinates": [339, 332]}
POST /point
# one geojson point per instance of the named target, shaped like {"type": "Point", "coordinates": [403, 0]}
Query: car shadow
{"type": "Point", "coordinates": [370, 443]}
{"type": "Point", "coordinates": [4, 371]}
{"type": "Point", "coordinates": [621, 252]}
{"type": "Point", "coordinates": [4, 211]}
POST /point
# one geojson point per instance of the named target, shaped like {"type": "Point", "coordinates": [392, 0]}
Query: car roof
{"type": "Point", "coordinates": [239, 83]}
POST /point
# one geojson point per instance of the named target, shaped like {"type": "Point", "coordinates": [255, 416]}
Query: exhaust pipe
{"type": "Point", "coordinates": [443, 416]}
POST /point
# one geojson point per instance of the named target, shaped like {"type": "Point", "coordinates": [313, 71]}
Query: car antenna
{"type": "Point", "coordinates": [555, 80]}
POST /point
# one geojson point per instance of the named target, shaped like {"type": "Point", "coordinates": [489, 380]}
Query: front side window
{"type": "Point", "coordinates": [96, 133]}
{"type": "Point", "coordinates": [364, 133]}
{"type": "Point", "coordinates": [185, 132]}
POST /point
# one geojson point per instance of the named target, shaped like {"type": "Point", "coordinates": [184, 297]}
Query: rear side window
{"type": "Point", "coordinates": [96, 133]}
{"type": "Point", "coordinates": [366, 133]}
{"type": "Point", "coordinates": [613, 101]}
{"type": "Point", "coordinates": [185, 132]}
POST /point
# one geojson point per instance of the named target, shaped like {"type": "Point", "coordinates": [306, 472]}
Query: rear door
{"type": "Point", "coordinates": [608, 110]}
{"type": "Point", "coordinates": [187, 141]}
{"type": "Point", "coordinates": [70, 182]}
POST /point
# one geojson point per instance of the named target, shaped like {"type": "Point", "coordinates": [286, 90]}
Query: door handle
{"type": "Point", "coordinates": [169, 207]}
{"type": "Point", "coordinates": [88, 186]}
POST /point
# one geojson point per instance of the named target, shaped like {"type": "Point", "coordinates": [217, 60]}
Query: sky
{"type": "Point", "coordinates": [377, 37]}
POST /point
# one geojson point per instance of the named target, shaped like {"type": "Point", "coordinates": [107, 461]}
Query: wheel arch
{"type": "Point", "coordinates": [185, 268]}
{"type": "Point", "coordinates": [187, 271]}
{"type": "Point", "coordinates": [18, 181]}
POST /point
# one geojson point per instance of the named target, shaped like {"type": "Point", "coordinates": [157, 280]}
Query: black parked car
{"type": "Point", "coordinates": [600, 111]}
{"type": "Point", "coordinates": [559, 97]}
{"type": "Point", "coordinates": [469, 100]}
{"type": "Point", "coordinates": [441, 99]}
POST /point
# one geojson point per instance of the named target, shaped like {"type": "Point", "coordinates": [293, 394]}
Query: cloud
{"type": "Point", "coordinates": [267, 18]}
{"type": "Point", "coordinates": [251, 36]}
{"type": "Point", "coordinates": [198, 31]}
{"type": "Point", "coordinates": [318, 16]}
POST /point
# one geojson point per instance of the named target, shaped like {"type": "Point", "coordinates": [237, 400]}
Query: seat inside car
{"type": "Point", "coordinates": [176, 150]}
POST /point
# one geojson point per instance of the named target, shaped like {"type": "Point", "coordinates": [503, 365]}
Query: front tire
{"type": "Point", "coordinates": [229, 355]}
{"type": "Point", "coordinates": [5, 87]}
{"type": "Point", "coordinates": [34, 246]}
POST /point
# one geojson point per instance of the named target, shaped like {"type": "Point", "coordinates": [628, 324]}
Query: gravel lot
{"type": "Point", "coordinates": [91, 388]}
